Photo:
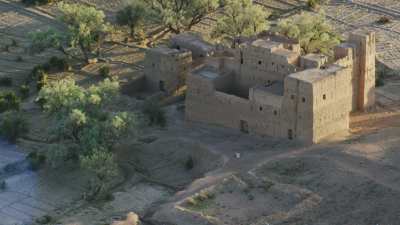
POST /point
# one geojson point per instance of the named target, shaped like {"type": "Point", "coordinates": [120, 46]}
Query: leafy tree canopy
{"type": "Point", "coordinates": [241, 18]}
{"type": "Point", "coordinates": [313, 32]}
{"type": "Point", "coordinates": [180, 15]}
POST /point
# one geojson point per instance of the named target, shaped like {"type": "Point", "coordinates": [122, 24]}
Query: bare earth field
{"type": "Point", "coordinates": [352, 179]}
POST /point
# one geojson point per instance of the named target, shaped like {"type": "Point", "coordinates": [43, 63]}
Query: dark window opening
{"type": "Point", "coordinates": [324, 96]}
{"type": "Point", "coordinates": [201, 56]}
{"type": "Point", "coordinates": [303, 99]}
{"type": "Point", "coordinates": [161, 85]}
{"type": "Point", "coordinates": [275, 112]}
{"type": "Point", "coordinates": [292, 97]}
{"type": "Point", "coordinates": [261, 108]}
{"type": "Point", "coordinates": [178, 47]}
{"type": "Point", "coordinates": [154, 65]}
{"type": "Point", "coordinates": [273, 63]}
{"type": "Point", "coordinates": [241, 61]}
{"type": "Point", "coordinates": [241, 57]}
{"type": "Point", "coordinates": [290, 134]}
{"type": "Point", "coordinates": [259, 62]}
{"type": "Point", "coordinates": [244, 126]}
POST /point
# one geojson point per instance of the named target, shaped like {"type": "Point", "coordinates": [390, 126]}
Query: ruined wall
{"type": "Point", "coordinates": [166, 69]}
{"type": "Point", "coordinates": [364, 75]}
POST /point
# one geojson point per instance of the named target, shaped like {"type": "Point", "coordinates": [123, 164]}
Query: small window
{"type": "Point", "coordinates": [273, 63]}
{"type": "Point", "coordinates": [241, 61]}
{"type": "Point", "coordinates": [161, 85]}
{"type": "Point", "coordinates": [261, 108]}
{"type": "Point", "coordinates": [303, 99]}
{"type": "Point", "coordinates": [290, 134]}
{"type": "Point", "coordinates": [292, 97]}
{"type": "Point", "coordinates": [275, 112]}
{"type": "Point", "coordinates": [259, 62]}
{"type": "Point", "coordinates": [178, 47]}
{"type": "Point", "coordinates": [324, 96]}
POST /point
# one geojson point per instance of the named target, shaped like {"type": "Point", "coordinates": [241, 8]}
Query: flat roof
{"type": "Point", "coordinates": [275, 88]}
{"type": "Point", "coordinates": [167, 50]}
{"type": "Point", "coordinates": [266, 44]}
{"type": "Point", "coordinates": [313, 75]}
{"type": "Point", "coordinates": [207, 72]}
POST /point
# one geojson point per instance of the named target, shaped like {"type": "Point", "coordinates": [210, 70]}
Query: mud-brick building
{"type": "Point", "coordinates": [165, 68]}
{"type": "Point", "coordinates": [269, 88]}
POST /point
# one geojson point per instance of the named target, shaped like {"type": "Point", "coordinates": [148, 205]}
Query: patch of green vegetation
{"type": "Point", "coordinates": [200, 201]}
{"type": "Point", "coordinates": [9, 101]}
{"type": "Point", "coordinates": [13, 125]}
{"type": "Point", "coordinates": [37, 160]}
{"type": "Point", "coordinates": [105, 71]}
{"type": "Point", "coordinates": [6, 81]}
{"type": "Point", "coordinates": [155, 113]}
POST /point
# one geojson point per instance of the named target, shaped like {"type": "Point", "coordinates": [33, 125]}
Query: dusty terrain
{"type": "Point", "coordinates": [351, 179]}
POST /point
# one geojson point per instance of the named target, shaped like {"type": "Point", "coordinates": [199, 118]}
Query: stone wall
{"type": "Point", "coordinates": [166, 69]}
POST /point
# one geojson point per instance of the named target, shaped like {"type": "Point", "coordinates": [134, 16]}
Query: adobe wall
{"type": "Point", "coordinates": [166, 68]}
{"type": "Point", "coordinates": [264, 65]}
{"type": "Point", "coordinates": [331, 103]}
{"type": "Point", "coordinates": [364, 73]}
{"type": "Point", "coordinates": [205, 104]}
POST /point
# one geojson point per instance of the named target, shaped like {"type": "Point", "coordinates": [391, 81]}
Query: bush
{"type": "Point", "coordinates": [42, 81]}
{"type": "Point", "coordinates": [384, 20]}
{"type": "Point", "coordinates": [189, 164]}
{"type": "Point", "coordinates": [59, 64]}
{"type": "Point", "coordinates": [102, 164]}
{"type": "Point", "coordinates": [6, 81]}
{"type": "Point", "coordinates": [19, 59]}
{"type": "Point", "coordinates": [105, 71]}
{"type": "Point", "coordinates": [154, 113]}
{"type": "Point", "coordinates": [9, 101]}
{"type": "Point", "coordinates": [13, 125]}
{"type": "Point", "coordinates": [24, 91]}
{"type": "Point", "coordinates": [36, 160]}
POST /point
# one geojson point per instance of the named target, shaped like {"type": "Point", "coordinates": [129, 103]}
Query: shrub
{"type": "Point", "coordinates": [6, 81]}
{"type": "Point", "coordinates": [36, 160]}
{"type": "Point", "coordinates": [42, 81]}
{"type": "Point", "coordinates": [383, 20]}
{"type": "Point", "coordinates": [14, 43]}
{"type": "Point", "coordinates": [105, 71]}
{"type": "Point", "coordinates": [102, 164]}
{"type": "Point", "coordinates": [19, 59]}
{"type": "Point", "coordinates": [13, 125]}
{"type": "Point", "coordinates": [24, 91]}
{"type": "Point", "coordinates": [9, 101]}
{"type": "Point", "coordinates": [154, 113]}
{"type": "Point", "coordinates": [189, 164]}
{"type": "Point", "coordinates": [59, 64]}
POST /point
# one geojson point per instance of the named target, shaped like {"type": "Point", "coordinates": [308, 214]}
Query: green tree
{"type": "Point", "coordinates": [86, 127]}
{"type": "Point", "coordinates": [313, 32]}
{"type": "Point", "coordinates": [241, 18]}
{"type": "Point", "coordinates": [133, 16]}
{"type": "Point", "coordinates": [86, 27]}
{"type": "Point", "coordinates": [86, 30]}
{"type": "Point", "coordinates": [180, 15]}
{"type": "Point", "coordinates": [13, 125]}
